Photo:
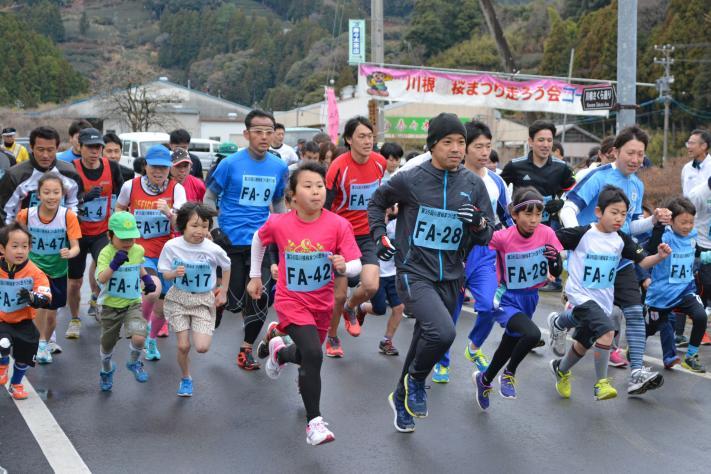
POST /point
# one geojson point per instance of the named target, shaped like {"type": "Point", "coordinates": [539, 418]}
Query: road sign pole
{"type": "Point", "coordinates": [626, 62]}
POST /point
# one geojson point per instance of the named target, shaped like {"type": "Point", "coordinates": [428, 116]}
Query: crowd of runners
{"type": "Point", "coordinates": [327, 234]}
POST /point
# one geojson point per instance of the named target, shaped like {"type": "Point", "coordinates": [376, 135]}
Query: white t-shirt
{"type": "Point", "coordinates": [700, 196]}
{"type": "Point", "coordinates": [413, 162]}
{"type": "Point", "coordinates": [124, 197]}
{"type": "Point", "coordinates": [593, 257]}
{"type": "Point", "coordinates": [287, 153]}
{"type": "Point", "coordinates": [200, 261]}
{"type": "Point", "coordinates": [692, 177]}
{"type": "Point", "coordinates": [387, 269]}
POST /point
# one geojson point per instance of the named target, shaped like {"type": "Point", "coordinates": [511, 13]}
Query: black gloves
{"type": "Point", "coordinates": [95, 193]}
{"type": "Point", "coordinates": [385, 249]}
{"type": "Point", "coordinates": [555, 262]}
{"type": "Point", "coordinates": [148, 285]}
{"type": "Point", "coordinates": [31, 298]}
{"type": "Point", "coordinates": [554, 206]}
{"type": "Point", "coordinates": [470, 214]}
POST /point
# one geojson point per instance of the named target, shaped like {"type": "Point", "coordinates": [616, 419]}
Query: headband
{"type": "Point", "coordinates": [527, 203]}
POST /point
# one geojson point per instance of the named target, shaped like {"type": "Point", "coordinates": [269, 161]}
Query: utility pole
{"type": "Point", "coordinates": [570, 74]}
{"type": "Point", "coordinates": [377, 56]}
{"type": "Point", "coordinates": [492, 22]}
{"type": "Point", "coordinates": [626, 63]}
{"type": "Point", "coordinates": [664, 85]}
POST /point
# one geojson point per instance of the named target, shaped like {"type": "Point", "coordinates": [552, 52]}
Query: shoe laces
{"type": "Point", "coordinates": [509, 378]}
{"type": "Point", "coordinates": [318, 425]}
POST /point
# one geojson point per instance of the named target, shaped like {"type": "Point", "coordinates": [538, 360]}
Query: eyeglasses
{"type": "Point", "coordinates": [262, 132]}
{"type": "Point", "coordinates": [690, 143]}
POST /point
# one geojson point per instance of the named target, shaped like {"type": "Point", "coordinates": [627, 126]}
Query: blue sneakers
{"type": "Point", "coordinates": [440, 374]}
{"type": "Point", "coordinates": [482, 390]}
{"type": "Point", "coordinates": [107, 379]}
{"type": "Point", "coordinates": [186, 387]}
{"type": "Point", "coordinates": [152, 352]}
{"type": "Point", "coordinates": [403, 421]}
{"type": "Point", "coordinates": [507, 385]}
{"type": "Point", "coordinates": [415, 397]}
{"type": "Point", "coordinates": [138, 372]}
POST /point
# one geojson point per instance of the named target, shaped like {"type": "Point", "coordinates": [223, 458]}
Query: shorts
{"type": "Point", "coordinates": [369, 254]}
{"type": "Point", "coordinates": [290, 313]}
{"type": "Point", "coordinates": [58, 287]}
{"type": "Point", "coordinates": [594, 323]}
{"type": "Point", "coordinates": [151, 266]}
{"type": "Point", "coordinates": [512, 302]}
{"type": "Point", "coordinates": [627, 288]}
{"type": "Point", "coordinates": [385, 296]}
{"type": "Point", "coordinates": [90, 244]}
{"type": "Point", "coordinates": [112, 319]}
{"type": "Point", "coordinates": [195, 311]}
{"type": "Point", "coordinates": [24, 338]}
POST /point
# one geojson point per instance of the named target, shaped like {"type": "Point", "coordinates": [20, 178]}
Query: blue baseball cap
{"type": "Point", "coordinates": [159, 155]}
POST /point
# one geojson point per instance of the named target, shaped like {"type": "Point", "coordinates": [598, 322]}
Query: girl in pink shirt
{"type": "Point", "coordinates": [527, 256]}
{"type": "Point", "coordinates": [313, 244]}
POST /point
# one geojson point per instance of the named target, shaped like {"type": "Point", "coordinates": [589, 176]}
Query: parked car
{"type": "Point", "coordinates": [292, 135]}
{"type": "Point", "coordinates": [135, 145]}
{"type": "Point", "coordinates": [204, 149]}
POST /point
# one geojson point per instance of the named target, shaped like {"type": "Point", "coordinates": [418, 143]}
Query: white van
{"type": "Point", "coordinates": [136, 145]}
{"type": "Point", "coordinates": [204, 149]}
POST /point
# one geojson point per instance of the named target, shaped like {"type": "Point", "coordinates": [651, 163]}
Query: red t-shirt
{"type": "Point", "coordinates": [194, 189]}
{"type": "Point", "coordinates": [354, 183]}
{"type": "Point", "coordinates": [305, 273]}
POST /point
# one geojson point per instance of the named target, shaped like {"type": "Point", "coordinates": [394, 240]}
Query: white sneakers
{"type": "Point", "coordinates": [317, 433]}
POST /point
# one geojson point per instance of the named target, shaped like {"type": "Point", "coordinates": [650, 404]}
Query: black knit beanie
{"type": "Point", "coordinates": [442, 125]}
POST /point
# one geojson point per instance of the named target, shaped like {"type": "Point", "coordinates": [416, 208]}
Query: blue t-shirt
{"type": "Point", "coordinates": [67, 155]}
{"type": "Point", "coordinates": [585, 193]}
{"type": "Point", "coordinates": [246, 187]}
{"type": "Point", "coordinates": [673, 277]}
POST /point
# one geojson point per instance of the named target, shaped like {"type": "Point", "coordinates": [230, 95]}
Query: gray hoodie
{"type": "Point", "coordinates": [431, 241]}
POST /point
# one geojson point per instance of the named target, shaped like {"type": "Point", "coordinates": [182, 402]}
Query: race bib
{"type": "Point", "coordinates": [94, 210]}
{"type": "Point", "coordinates": [125, 282]}
{"type": "Point", "coordinates": [307, 271]}
{"type": "Point", "coordinates": [526, 269]}
{"type": "Point", "coordinates": [360, 195]}
{"type": "Point", "coordinates": [10, 292]}
{"type": "Point", "coordinates": [599, 271]}
{"type": "Point", "coordinates": [197, 278]}
{"type": "Point", "coordinates": [681, 269]}
{"type": "Point", "coordinates": [257, 190]}
{"type": "Point", "coordinates": [48, 241]}
{"type": "Point", "coordinates": [152, 223]}
{"type": "Point", "coordinates": [437, 229]}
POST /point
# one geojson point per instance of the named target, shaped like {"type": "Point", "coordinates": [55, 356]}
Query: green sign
{"type": "Point", "coordinates": [408, 127]}
{"type": "Point", "coordinates": [356, 41]}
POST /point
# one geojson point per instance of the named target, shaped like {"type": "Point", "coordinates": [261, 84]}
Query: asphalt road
{"type": "Point", "coordinates": [244, 422]}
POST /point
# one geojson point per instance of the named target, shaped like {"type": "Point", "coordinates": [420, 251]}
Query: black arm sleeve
{"type": "Point", "coordinates": [655, 240]}
{"type": "Point", "coordinates": [570, 237]}
{"type": "Point", "coordinates": [631, 250]}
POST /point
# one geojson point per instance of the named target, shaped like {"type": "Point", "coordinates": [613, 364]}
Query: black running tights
{"type": "Point", "coordinates": [306, 352]}
{"type": "Point", "coordinates": [513, 348]}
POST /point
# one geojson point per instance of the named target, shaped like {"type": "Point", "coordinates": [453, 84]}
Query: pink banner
{"type": "Point", "coordinates": [482, 90]}
{"type": "Point", "coordinates": [332, 114]}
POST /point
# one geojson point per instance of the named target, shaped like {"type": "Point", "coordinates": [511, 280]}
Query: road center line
{"type": "Point", "coordinates": [653, 360]}
{"type": "Point", "coordinates": [55, 444]}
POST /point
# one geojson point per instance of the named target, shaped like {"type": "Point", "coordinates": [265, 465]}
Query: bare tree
{"type": "Point", "coordinates": [141, 107]}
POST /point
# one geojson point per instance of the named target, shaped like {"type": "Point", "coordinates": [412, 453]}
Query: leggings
{"type": "Point", "coordinates": [306, 352]}
{"type": "Point", "coordinates": [513, 348]}
{"type": "Point", "coordinates": [689, 305]}
{"type": "Point", "coordinates": [254, 312]}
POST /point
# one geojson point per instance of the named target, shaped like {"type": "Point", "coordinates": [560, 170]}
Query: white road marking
{"type": "Point", "coordinates": [56, 447]}
{"type": "Point", "coordinates": [649, 359]}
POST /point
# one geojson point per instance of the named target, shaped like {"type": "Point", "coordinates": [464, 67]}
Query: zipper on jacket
{"type": "Point", "coordinates": [444, 206]}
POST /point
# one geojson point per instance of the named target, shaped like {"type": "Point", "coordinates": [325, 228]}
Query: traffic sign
{"type": "Point", "coordinates": [599, 97]}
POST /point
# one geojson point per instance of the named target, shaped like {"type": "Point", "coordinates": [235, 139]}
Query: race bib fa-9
{"type": "Point", "coordinates": [197, 278]}
{"type": "Point", "coordinates": [257, 190]}
{"type": "Point", "coordinates": [152, 223]}
{"type": "Point", "coordinates": [125, 282]}
{"type": "Point", "coordinates": [360, 195]}
{"type": "Point", "coordinates": [437, 229]}
{"type": "Point", "coordinates": [94, 210]}
{"type": "Point", "coordinates": [681, 268]}
{"type": "Point", "coordinates": [599, 270]}
{"type": "Point", "coordinates": [307, 271]}
{"type": "Point", "coordinates": [526, 269]}
{"type": "Point", "coordinates": [48, 241]}
{"type": "Point", "coordinates": [10, 293]}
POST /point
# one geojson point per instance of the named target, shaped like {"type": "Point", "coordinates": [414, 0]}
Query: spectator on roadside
{"type": "Point", "coordinates": [698, 170]}
{"type": "Point", "coordinates": [19, 153]}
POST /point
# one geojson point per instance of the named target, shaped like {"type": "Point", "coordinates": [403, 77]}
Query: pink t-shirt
{"type": "Point", "coordinates": [520, 263]}
{"type": "Point", "coordinates": [305, 273]}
